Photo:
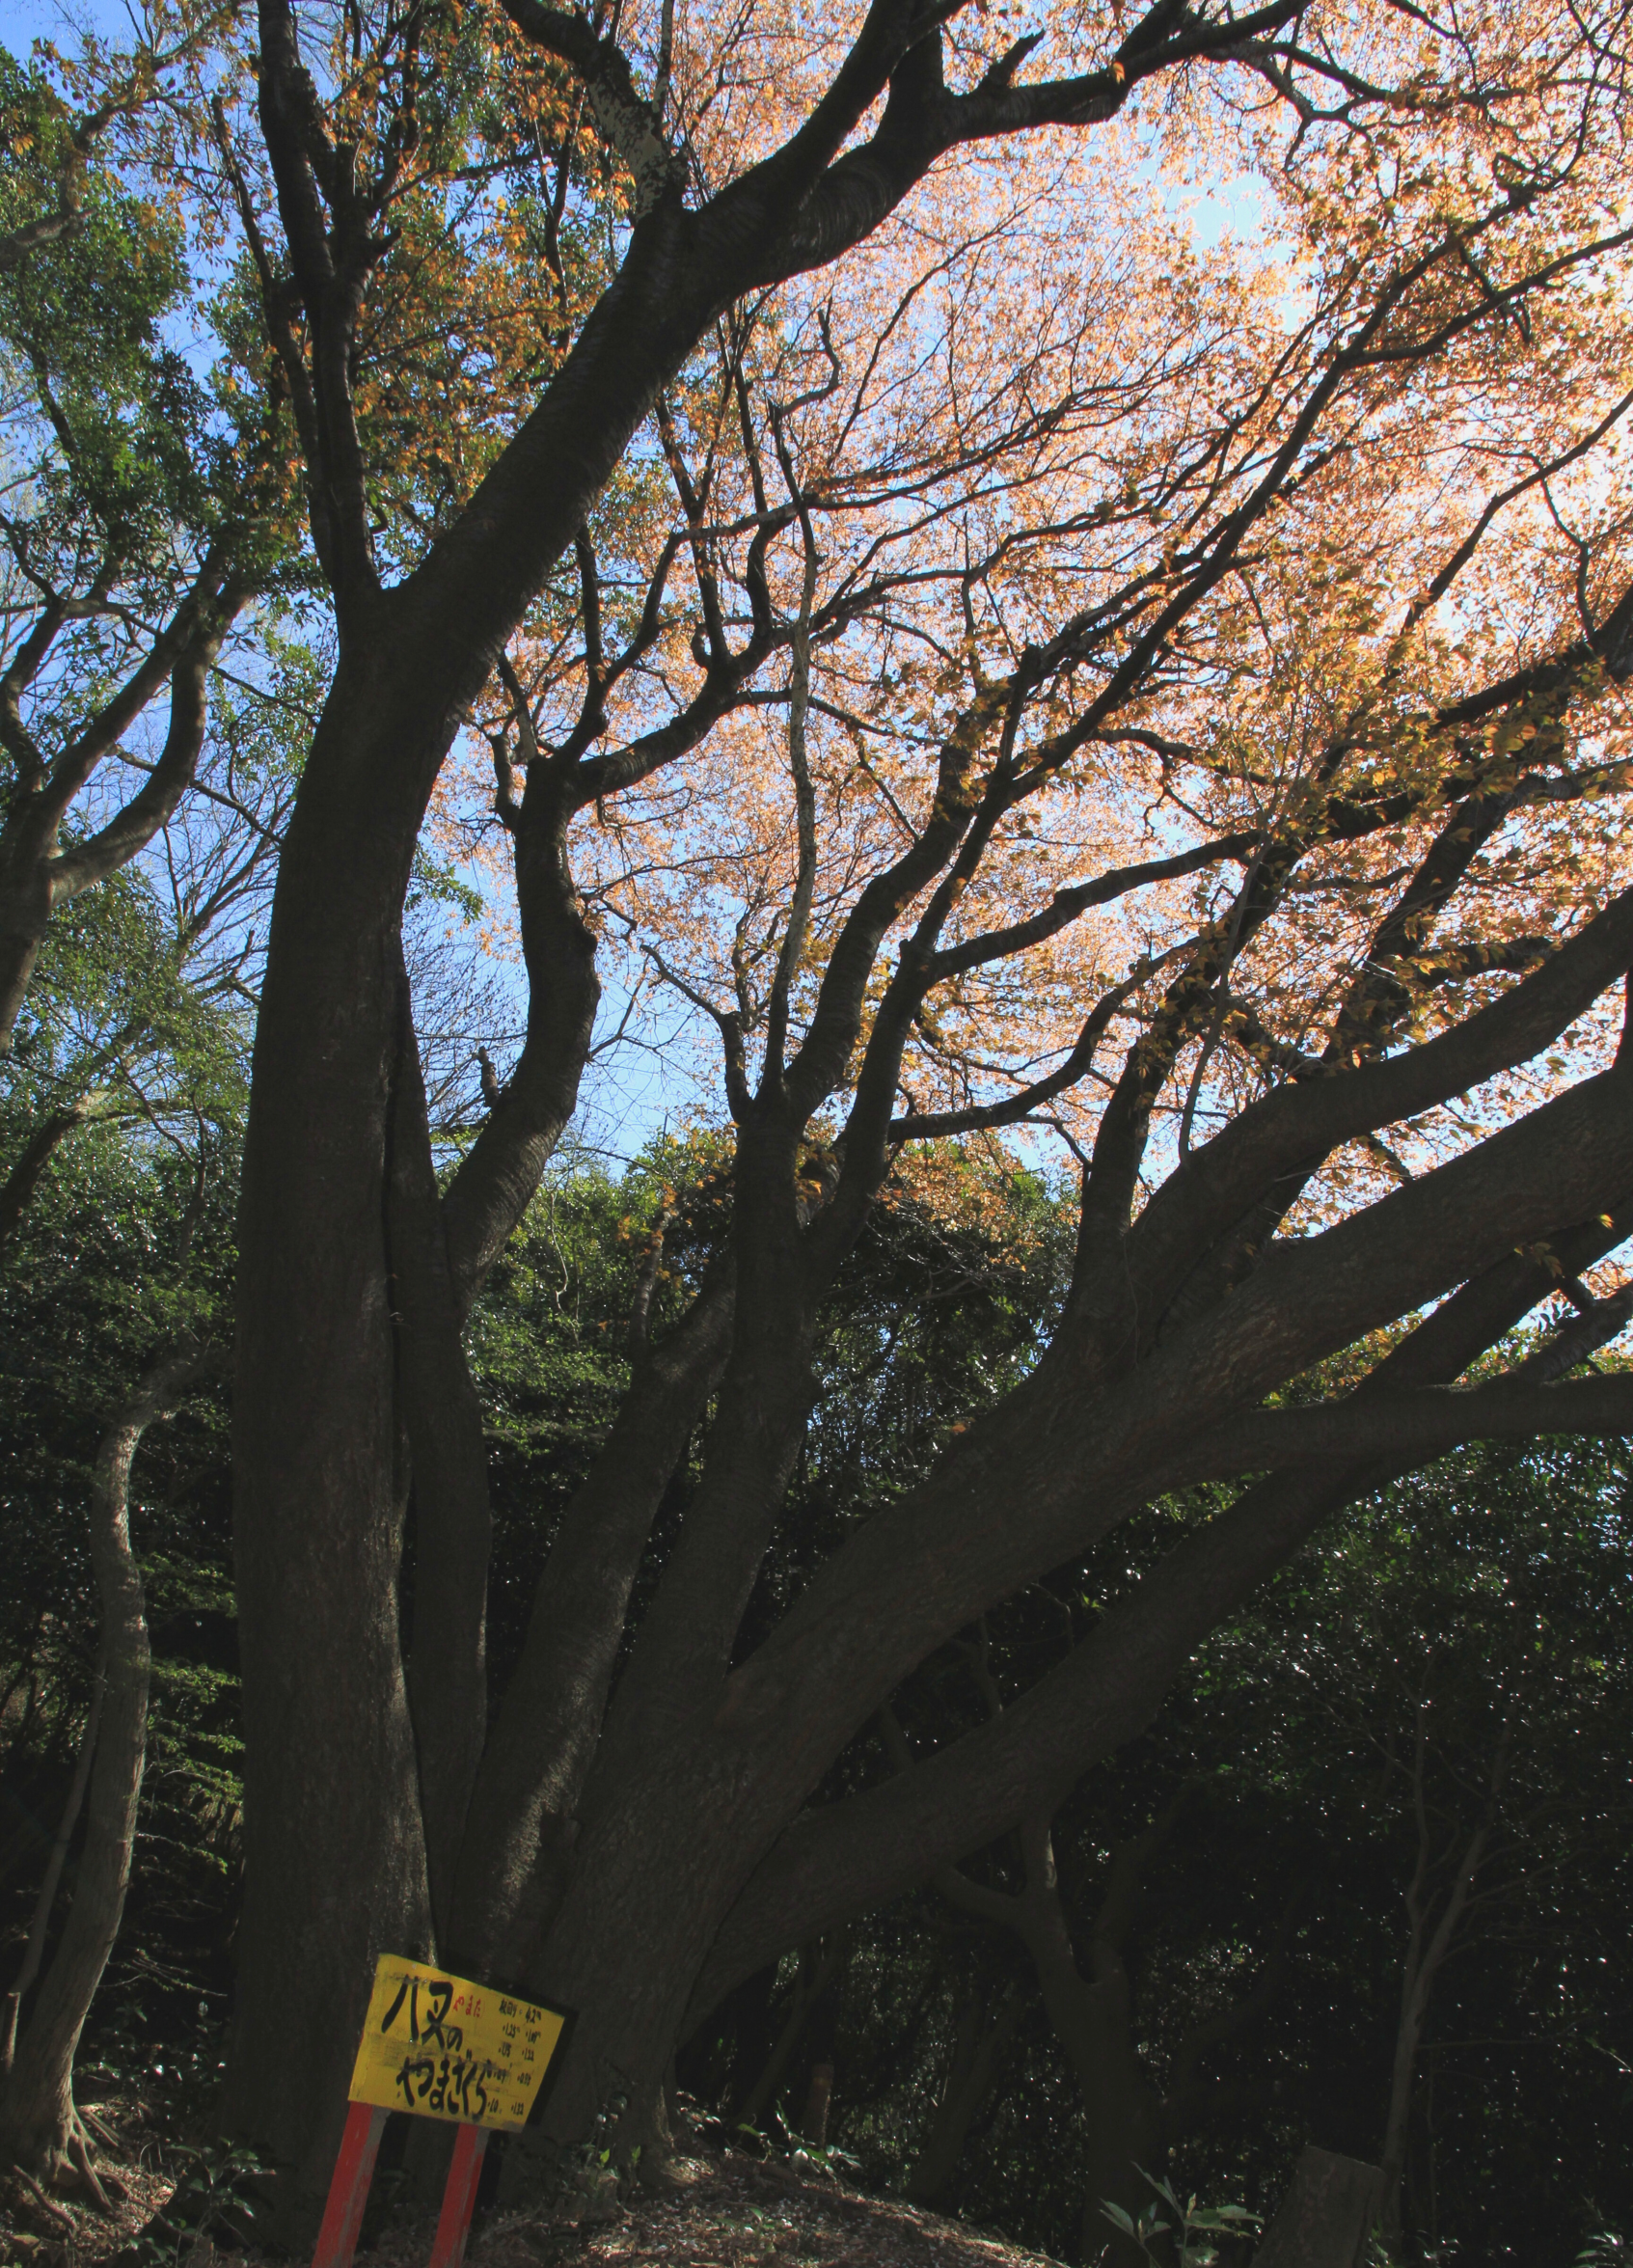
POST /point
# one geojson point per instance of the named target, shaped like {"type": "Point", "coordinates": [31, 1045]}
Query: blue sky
{"type": "Point", "coordinates": [24, 21]}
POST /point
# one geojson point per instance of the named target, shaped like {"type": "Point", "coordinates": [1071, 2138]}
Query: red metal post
{"type": "Point", "coordinates": [348, 2191]}
{"type": "Point", "coordinates": [459, 2199]}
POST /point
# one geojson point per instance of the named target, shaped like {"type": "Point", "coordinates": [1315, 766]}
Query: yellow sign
{"type": "Point", "coordinates": [446, 2048]}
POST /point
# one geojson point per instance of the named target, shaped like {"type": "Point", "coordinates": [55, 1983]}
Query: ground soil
{"type": "Point", "coordinates": [716, 2209]}
{"type": "Point", "coordinates": [67, 2230]}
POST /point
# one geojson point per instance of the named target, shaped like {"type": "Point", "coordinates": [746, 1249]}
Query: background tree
{"type": "Point", "coordinates": [119, 1718]}
{"type": "Point", "coordinates": [146, 507]}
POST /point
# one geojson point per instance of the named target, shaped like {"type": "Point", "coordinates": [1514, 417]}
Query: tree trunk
{"type": "Point", "coordinates": [1426, 1957]}
{"type": "Point", "coordinates": [819, 2095]}
{"type": "Point", "coordinates": [334, 1851]}
{"type": "Point", "coordinates": [36, 2113]}
{"type": "Point", "coordinates": [1122, 2110]}
{"type": "Point", "coordinates": [977, 2051]}
{"type": "Point", "coordinates": [1124, 2116]}
{"type": "Point", "coordinates": [1428, 1942]}
{"type": "Point", "coordinates": [335, 1860]}
{"type": "Point", "coordinates": [816, 1974]}
{"type": "Point", "coordinates": [33, 1951]}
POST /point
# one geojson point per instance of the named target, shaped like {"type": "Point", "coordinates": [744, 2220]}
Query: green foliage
{"type": "Point", "coordinates": [1165, 2224]}
{"type": "Point", "coordinates": [128, 1241]}
{"type": "Point", "coordinates": [118, 440]}
{"type": "Point", "coordinates": [1497, 1579]}
{"type": "Point", "coordinates": [216, 2197]}
{"type": "Point", "coordinates": [122, 1249]}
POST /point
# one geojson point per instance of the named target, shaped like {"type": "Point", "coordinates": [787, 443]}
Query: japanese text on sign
{"type": "Point", "coordinates": [446, 2048]}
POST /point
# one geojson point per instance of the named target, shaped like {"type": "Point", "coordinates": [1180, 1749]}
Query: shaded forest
{"type": "Point", "coordinates": [1245, 1888]}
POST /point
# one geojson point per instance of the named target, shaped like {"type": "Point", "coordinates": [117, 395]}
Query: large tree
{"type": "Point", "coordinates": [1047, 646]}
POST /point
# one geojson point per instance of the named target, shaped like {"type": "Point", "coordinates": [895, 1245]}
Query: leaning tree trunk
{"type": "Point", "coordinates": [38, 2125]}
{"type": "Point", "coordinates": [977, 2051]}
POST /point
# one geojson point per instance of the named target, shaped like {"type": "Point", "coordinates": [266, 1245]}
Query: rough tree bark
{"type": "Point", "coordinates": [38, 2127]}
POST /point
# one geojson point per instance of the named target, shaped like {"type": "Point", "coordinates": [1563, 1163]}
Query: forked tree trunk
{"type": "Point", "coordinates": [36, 2112]}
{"type": "Point", "coordinates": [1126, 2120]}
{"type": "Point", "coordinates": [1428, 1946]}
{"type": "Point", "coordinates": [1126, 2128]}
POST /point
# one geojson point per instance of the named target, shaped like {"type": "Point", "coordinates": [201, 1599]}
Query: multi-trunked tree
{"type": "Point", "coordinates": [1002, 667]}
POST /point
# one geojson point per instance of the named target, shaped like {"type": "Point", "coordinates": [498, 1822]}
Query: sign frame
{"type": "Point", "coordinates": [448, 2059]}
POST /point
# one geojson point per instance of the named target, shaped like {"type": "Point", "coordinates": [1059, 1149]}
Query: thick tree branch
{"type": "Point", "coordinates": [37, 1153]}
{"type": "Point", "coordinates": [442, 1417]}
{"type": "Point", "coordinates": [1418, 1427]}
{"type": "Point", "coordinates": [117, 842]}
{"type": "Point", "coordinates": [333, 258]}
{"type": "Point", "coordinates": [495, 1181]}
{"type": "Point", "coordinates": [631, 125]}
{"type": "Point", "coordinates": [1216, 1184]}
{"type": "Point", "coordinates": [521, 1822]}
{"type": "Point", "coordinates": [840, 1859]}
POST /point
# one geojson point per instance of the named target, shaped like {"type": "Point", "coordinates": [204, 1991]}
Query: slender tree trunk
{"type": "Point", "coordinates": [36, 2113]}
{"type": "Point", "coordinates": [977, 2051]}
{"type": "Point", "coordinates": [33, 1951]}
{"type": "Point", "coordinates": [1429, 1941]}
{"type": "Point", "coordinates": [817, 1973]}
{"type": "Point", "coordinates": [818, 2100]}
{"type": "Point", "coordinates": [1426, 1957]}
